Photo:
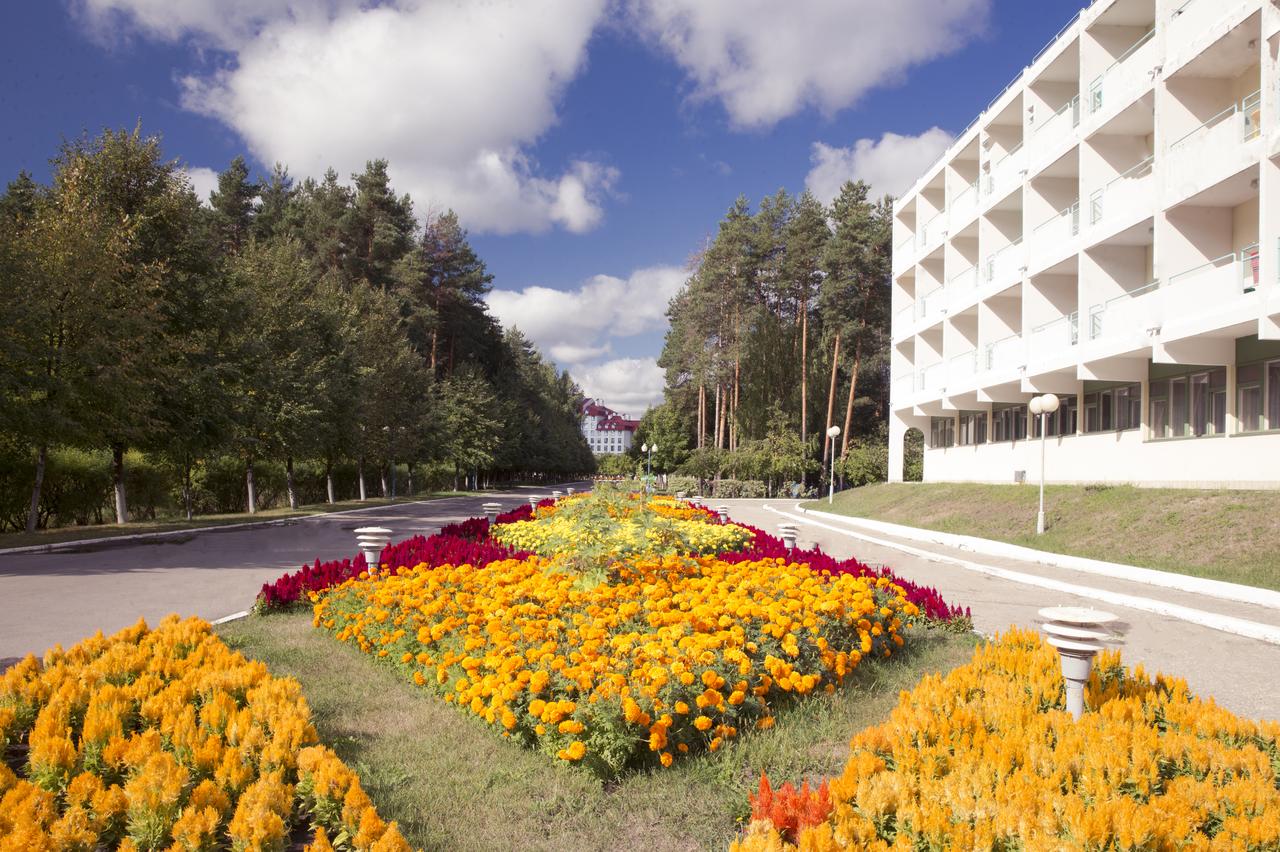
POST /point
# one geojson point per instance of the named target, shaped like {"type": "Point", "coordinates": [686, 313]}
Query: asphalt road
{"type": "Point", "coordinates": [1238, 673]}
{"type": "Point", "coordinates": [59, 598]}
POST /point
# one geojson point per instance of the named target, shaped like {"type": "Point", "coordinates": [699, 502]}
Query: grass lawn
{"type": "Point", "coordinates": [452, 783]}
{"type": "Point", "coordinates": [1223, 535]}
{"type": "Point", "coordinates": [78, 533]}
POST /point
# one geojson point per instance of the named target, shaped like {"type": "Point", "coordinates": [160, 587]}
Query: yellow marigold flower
{"type": "Point", "coordinates": [570, 726]}
{"type": "Point", "coordinates": [665, 758]}
{"type": "Point", "coordinates": [702, 723]}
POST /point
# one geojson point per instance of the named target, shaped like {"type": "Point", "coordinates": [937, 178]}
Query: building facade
{"type": "Point", "coordinates": [607, 432]}
{"type": "Point", "coordinates": [1107, 230]}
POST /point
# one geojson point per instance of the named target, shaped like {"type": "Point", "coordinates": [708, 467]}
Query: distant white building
{"type": "Point", "coordinates": [606, 431]}
{"type": "Point", "coordinates": [1106, 230]}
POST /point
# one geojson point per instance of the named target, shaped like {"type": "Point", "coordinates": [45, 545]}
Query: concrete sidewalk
{"type": "Point", "coordinates": [1238, 672]}
{"type": "Point", "coordinates": [59, 598]}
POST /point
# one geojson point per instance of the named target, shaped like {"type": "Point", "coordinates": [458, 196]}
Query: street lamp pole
{"type": "Point", "coordinates": [648, 450]}
{"type": "Point", "coordinates": [1042, 406]}
{"type": "Point", "coordinates": [832, 434]}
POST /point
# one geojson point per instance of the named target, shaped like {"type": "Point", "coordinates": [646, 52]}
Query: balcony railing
{"type": "Point", "coordinates": [1054, 336]}
{"type": "Point", "coordinates": [1060, 226]}
{"type": "Point", "coordinates": [1001, 262]}
{"type": "Point", "coordinates": [1120, 187]}
{"type": "Point", "coordinates": [965, 202]}
{"type": "Point", "coordinates": [1003, 353]}
{"type": "Point", "coordinates": [904, 318]}
{"type": "Point", "coordinates": [931, 229]}
{"type": "Point", "coordinates": [1068, 111]}
{"type": "Point", "coordinates": [1003, 170]}
{"type": "Point", "coordinates": [1099, 87]}
{"type": "Point", "coordinates": [903, 385]}
{"type": "Point", "coordinates": [966, 280]}
{"type": "Point", "coordinates": [1248, 109]}
{"type": "Point", "coordinates": [906, 244]}
{"type": "Point", "coordinates": [1114, 313]}
{"type": "Point", "coordinates": [931, 305]}
{"type": "Point", "coordinates": [930, 378]}
{"type": "Point", "coordinates": [962, 367]}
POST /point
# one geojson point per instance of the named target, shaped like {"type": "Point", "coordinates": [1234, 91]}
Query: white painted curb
{"type": "Point", "coordinates": [1219, 589]}
{"type": "Point", "coordinates": [1225, 623]}
{"type": "Point", "coordinates": [235, 616]}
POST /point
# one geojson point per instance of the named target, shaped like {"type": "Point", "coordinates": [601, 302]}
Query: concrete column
{"type": "Point", "coordinates": [1233, 415]}
{"type": "Point", "coordinates": [1080, 408]}
{"type": "Point", "coordinates": [1144, 415]}
{"type": "Point", "coordinates": [897, 454]}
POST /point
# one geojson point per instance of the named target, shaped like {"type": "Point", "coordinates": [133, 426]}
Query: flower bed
{"type": "Point", "coordinates": [675, 655]}
{"type": "Point", "coordinates": [986, 758]}
{"type": "Point", "coordinates": [167, 739]}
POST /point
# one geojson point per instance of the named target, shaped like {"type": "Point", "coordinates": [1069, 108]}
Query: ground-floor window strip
{"type": "Point", "coordinates": [1258, 396]}
{"type": "Point", "coordinates": [1190, 405]}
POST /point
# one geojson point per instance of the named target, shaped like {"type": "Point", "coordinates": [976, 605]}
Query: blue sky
{"type": "Point", "coordinates": [590, 146]}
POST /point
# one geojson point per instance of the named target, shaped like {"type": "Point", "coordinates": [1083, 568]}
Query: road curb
{"type": "Point", "coordinates": [1225, 623]}
{"type": "Point", "coordinates": [1220, 589]}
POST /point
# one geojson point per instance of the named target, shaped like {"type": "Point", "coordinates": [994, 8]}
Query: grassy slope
{"type": "Point", "coordinates": [1224, 535]}
{"type": "Point", "coordinates": [61, 534]}
{"type": "Point", "coordinates": [452, 783]}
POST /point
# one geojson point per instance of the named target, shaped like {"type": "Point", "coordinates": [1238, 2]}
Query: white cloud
{"type": "Point", "coordinates": [451, 94]}
{"type": "Point", "coordinates": [765, 60]}
{"type": "Point", "coordinates": [203, 181]}
{"type": "Point", "coordinates": [602, 308]}
{"type": "Point", "coordinates": [889, 166]}
{"type": "Point", "coordinates": [576, 327]}
{"type": "Point", "coordinates": [628, 385]}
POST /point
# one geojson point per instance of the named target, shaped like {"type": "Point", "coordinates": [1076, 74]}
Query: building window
{"type": "Point", "coordinates": [973, 428]}
{"type": "Point", "coordinates": [1008, 422]}
{"type": "Point", "coordinates": [1194, 405]}
{"type": "Point", "coordinates": [1113, 409]}
{"type": "Point", "coordinates": [1061, 422]}
{"type": "Point", "coordinates": [942, 432]}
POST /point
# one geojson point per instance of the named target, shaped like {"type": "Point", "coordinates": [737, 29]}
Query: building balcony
{"type": "Point", "coordinates": [1057, 129]}
{"type": "Point", "coordinates": [932, 232]}
{"type": "Point", "coordinates": [1195, 21]}
{"type": "Point", "coordinates": [1005, 354]}
{"type": "Point", "coordinates": [963, 287]}
{"type": "Point", "coordinates": [1216, 149]}
{"type": "Point", "coordinates": [1127, 316]}
{"type": "Point", "coordinates": [904, 322]}
{"type": "Point", "coordinates": [1204, 293]}
{"type": "Point", "coordinates": [904, 253]}
{"type": "Point", "coordinates": [1126, 78]}
{"type": "Point", "coordinates": [903, 389]}
{"type": "Point", "coordinates": [1054, 238]}
{"type": "Point", "coordinates": [1124, 199]}
{"type": "Point", "coordinates": [1006, 266]}
{"type": "Point", "coordinates": [931, 307]}
{"type": "Point", "coordinates": [931, 380]}
{"type": "Point", "coordinates": [1006, 174]}
{"type": "Point", "coordinates": [963, 208]}
{"type": "Point", "coordinates": [1055, 340]}
{"type": "Point", "coordinates": [961, 369]}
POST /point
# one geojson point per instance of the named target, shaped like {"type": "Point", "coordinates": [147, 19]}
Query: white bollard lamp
{"type": "Point", "coordinates": [1077, 633]}
{"type": "Point", "coordinates": [491, 511]}
{"type": "Point", "coordinates": [723, 512]}
{"type": "Point", "coordinates": [371, 540]}
{"type": "Point", "coordinates": [790, 534]}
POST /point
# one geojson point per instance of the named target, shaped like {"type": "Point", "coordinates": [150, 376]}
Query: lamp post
{"type": "Point", "coordinates": [648, 449]}
{"type": "Point", "coordinates": [832, 434]}
{"type": "Point", "coordinates": [1042, 405]}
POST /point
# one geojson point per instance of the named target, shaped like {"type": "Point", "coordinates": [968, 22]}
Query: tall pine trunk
{"type": "Point", "coordinates": [737, 389]}
{"type": "Point", "coordinates": [328, 482]}
{"type": "Point", "coordinates": [853, 387]}
{"type": "Point", "coordinates": [409, 467]}
{"type": "Point", "coordinates": [33, 514]}
{"type": "Point", "coordinates": [382, 478]}
{"type": "Point", "coordinates": [831, 399]}
{"type": "Point", "coordinates": [117, 482]}
{"type": "Point", "coordinates": [715, 429]}
{"type": "Point", "coordinates": [360, 476]}
{"type": "Point", "coordinates": [288, 478]}
{"type": "Point", "coordinates": [252, 489]}
{"type": "Point", "coordinates": [702, 414]}
{"type": "Point", "coordinates": [804, 371]}
{"type": "Point", "coordinates": [186, 485]}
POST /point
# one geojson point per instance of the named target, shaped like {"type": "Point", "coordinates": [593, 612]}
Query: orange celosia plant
{"type": "Point", "coordinates": [987, 758]}
{"type": "Point", "coordinates": [788, 810]}
{"type": "Point", "coordinates": [167, 739]}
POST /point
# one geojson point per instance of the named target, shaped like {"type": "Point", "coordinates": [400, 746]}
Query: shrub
{"type": "Point", "coordinates": [866, 462]}
{"type": "Point", "coordinates": [167, 739]}
{"type": "Point", "coordinates": [987, 758]}
{"type": "Point", "coordinates": [728, 489]}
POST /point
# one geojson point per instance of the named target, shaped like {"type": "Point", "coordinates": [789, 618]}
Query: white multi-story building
{"type": "Point", "coordinates": [1107, 230]}
{"type": "Point", "coordinates": [607, 432]}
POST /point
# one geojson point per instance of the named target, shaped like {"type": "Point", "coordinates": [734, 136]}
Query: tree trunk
{"type": "Point", "coordinates": [186, 485]}
{"type": "Point", "coordinates": [715, 427]}
{"type": "Point", "coordinates": [804, 371]}
{"type": "Point", "coordinates": [702, 414]}
{"type": "Point", "coordinates": [410, 484]}
{"type": "Point", "coordinates": [33, 514]}
{"type": "Point", "coordinates": [360, 476]}
{"type": "Point", "coordinates": [117, 482]}
{"type": "Point", "coordinates": [252, 490]}
{"type": "Point", "coordinates": [853, 386]}
{"type": "Point", "coordinates": [328, 482]}
{"type": "Point", "coordinates": [382, 480]}
{"type": "Point", "coordinates": [288, 476]}
{"type": "Point", "coordinates": [831, 398]}
{"type": "Point", "coordinates": [737, 389]}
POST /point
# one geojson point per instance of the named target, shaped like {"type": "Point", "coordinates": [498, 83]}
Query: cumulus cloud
{"type": "Point", "coordinates": [203, 181]}
{"type": "Point", "coordinates": [764, 60]}
{"type": "Point", "coordinates": [576, 328]}
{"type": "Point", "coordinates": [451, 94]}
{"type": "Point", "coordinates": [629, 385]}
{"type": "Point", "coordinates": [889, 166]}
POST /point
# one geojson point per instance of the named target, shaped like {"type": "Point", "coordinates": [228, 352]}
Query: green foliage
{"type": "Point", "coordinates": [729, 489]}
{"type": "Point", "coordinates": [284, 326]}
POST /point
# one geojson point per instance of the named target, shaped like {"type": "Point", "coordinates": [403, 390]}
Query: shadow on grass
{"type": "Point", "coordinates": [452, 782]}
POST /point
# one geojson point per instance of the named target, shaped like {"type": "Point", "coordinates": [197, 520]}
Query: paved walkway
{"type": "Point", "coordinates": [59, 598]}
{"type": "Point", "coordinates": [1239, 673]}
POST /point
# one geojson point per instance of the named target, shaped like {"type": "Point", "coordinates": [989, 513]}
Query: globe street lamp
{"type": "Point", "coordinates": [648, 449]}
{"type": "Point", "coordinates": [1043, 406]}
{"type": "Point", "coordinates": [832, 433]}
